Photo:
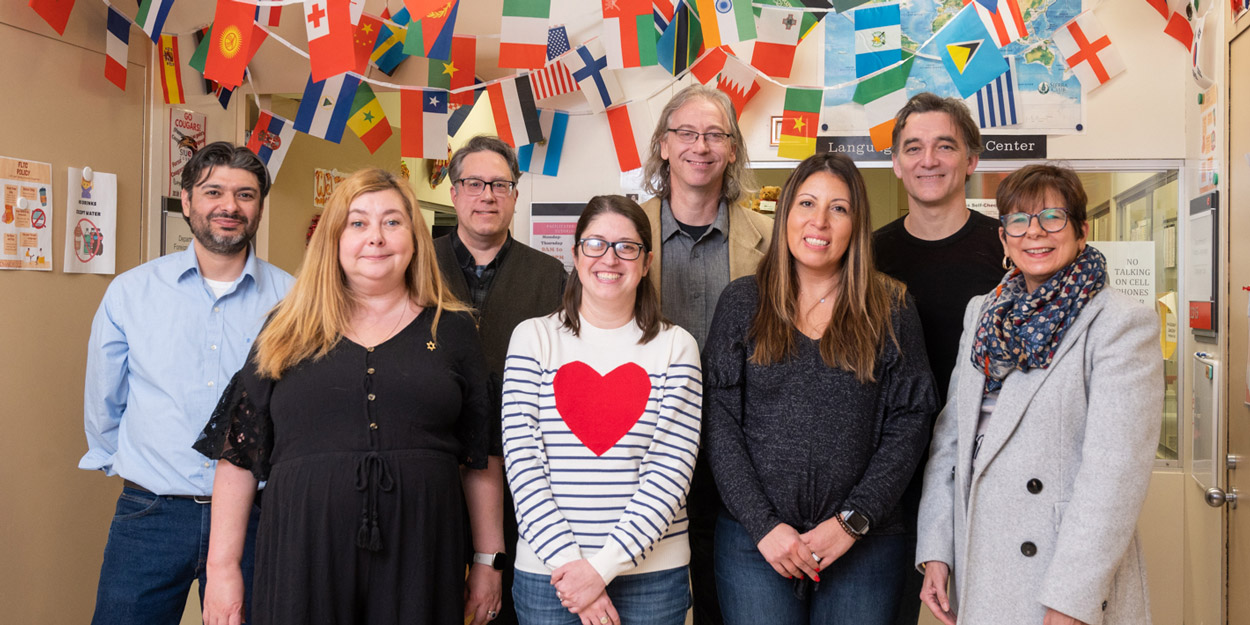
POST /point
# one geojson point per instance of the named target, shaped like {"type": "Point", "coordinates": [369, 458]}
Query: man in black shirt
{"type": "Point", "coordinates": [944, 253]}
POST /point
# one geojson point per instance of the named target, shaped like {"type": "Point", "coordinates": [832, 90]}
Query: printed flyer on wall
{"type": "Point", "coordinates": [187, 134]}
{"type": "Point", "coordinates": [90, 222]}
{"type": "Point", "coordinates": [26, 224]}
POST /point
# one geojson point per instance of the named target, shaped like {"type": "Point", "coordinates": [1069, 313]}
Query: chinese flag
{"type": "Point", "coordinates": [54, 12]}
{"type": "Point", "coordinates": [231, 45]}
{"type": "Point", "coordinates": [331, 50]}
{"type": "Point", "coordinates": [365, 36]}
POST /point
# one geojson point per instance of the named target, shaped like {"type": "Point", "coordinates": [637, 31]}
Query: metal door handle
{"type": "Point", "coordinates": [1216, 497]}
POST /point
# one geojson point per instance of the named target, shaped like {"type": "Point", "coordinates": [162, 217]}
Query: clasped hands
{"type": "Point", "coordinates": [581, 590]}
{"type": "Point", "coordinates": [792, 554]}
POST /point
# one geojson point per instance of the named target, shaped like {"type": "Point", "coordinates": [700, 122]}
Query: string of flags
{"type": "Point", "coordinates": [682, 37]}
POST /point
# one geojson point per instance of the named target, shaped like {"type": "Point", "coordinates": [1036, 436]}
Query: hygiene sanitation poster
{"type": "Point", "coordinates": [90, 222]}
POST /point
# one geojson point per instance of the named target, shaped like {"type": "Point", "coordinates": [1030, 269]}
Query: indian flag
{"type": "Point", "coordinates": [726, 21]}
{"type": "Point", "coordinates": [799, 122]}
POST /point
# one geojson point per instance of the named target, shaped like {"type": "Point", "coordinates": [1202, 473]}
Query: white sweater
{"type": "Point", "coordinates": [600, 436]}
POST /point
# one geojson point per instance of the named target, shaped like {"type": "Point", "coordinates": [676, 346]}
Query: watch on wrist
{"type": "Point", "coordinates": [855, 522]}
{"type": "Point", "coordinates": [493, 560]}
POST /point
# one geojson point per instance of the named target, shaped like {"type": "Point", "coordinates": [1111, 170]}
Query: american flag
{"type": "Point", "coordinates": [554, 79]}
{"type": "Point", "coordinates": [557, 42]}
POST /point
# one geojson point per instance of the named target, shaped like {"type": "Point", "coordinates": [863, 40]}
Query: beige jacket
{"type": "Point", "coordinates": [749, 235]}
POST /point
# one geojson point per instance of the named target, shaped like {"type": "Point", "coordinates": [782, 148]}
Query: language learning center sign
{"type": "Point", "coordinates": [26, 224]}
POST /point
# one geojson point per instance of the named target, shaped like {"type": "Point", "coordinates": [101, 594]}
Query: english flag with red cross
{"type": "Point", "coordinates": [1087, 50]}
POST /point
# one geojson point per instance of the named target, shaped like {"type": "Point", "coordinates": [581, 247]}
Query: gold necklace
{"type": "Point", "coordinates": [402, 309]}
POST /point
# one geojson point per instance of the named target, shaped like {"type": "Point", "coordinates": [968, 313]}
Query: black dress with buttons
{"type": "Point", "coordinates": [363, 518]}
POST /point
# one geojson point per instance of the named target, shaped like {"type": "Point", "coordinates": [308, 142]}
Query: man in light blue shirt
{"type": "Point", "coordinates": [165, 342]}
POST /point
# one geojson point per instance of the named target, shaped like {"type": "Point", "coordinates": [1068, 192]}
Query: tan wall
{"type": "Point", "coordinates": [58, 108]}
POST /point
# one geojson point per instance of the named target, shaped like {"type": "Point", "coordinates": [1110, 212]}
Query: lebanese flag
{"type": "Point", "coordinates": [229, 51]}
{"type": "Point", "coordinates": [629, 34]}
{"type": "Point", "coordinates": [710, 64]}
{"type": "Point", "coordinates": [117, 46]}
{"type": "Point", "coordinates": [331, 50]}
{"type": "Point", "coordinates": [423, 123]}
{"type": "Point", "coordinates": [1087, 50]}
{"type": "Point", "coordinates": [54, 12]}
{"type": "Point", "coordinates": [630, 124]}
{"type": "Point", "coordinates": [1005, 24]}
{"type": "Point", "coordinates": [516, 115]}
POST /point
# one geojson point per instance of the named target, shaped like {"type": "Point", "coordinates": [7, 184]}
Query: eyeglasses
{"type": "Point", "coordinates": [1050, 219]}
{"type": "Point", "coordinates": [712, 138]}
{"type": "Point", "coordinates": [475, 186]}
{"type": "Point", "coordinates": [625, 250]}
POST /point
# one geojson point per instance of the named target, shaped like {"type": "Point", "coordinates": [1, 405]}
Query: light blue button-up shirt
{"type": "Point", "coordinates": [162, 349]}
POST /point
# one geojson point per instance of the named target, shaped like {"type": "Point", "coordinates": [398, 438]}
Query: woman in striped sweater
{"type": "Point", "coordinates": [601, 423]}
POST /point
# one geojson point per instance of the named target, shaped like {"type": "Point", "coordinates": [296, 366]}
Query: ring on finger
{"type": "Point", "coordinates": [603, 620]}
{"type": "Point", "coordinates": [491, 614]}
{"type": "Point", "coordinates": [816, 557]}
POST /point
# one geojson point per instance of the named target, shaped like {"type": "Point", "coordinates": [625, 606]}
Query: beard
{"type": "Point", "coordinates": [222, 243]}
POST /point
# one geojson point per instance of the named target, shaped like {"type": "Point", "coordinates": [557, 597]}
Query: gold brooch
{"type": "Point", "coordinates": [430, 345]}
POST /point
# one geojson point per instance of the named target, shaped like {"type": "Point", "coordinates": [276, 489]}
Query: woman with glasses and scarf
{"type": "Point", "coordinates": [601, 421]}
{"type": "Point", "coordinates": [1040, 460]}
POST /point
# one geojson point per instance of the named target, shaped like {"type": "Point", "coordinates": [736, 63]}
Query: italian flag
{"type": "Point", "coordinates": [799, 122]}
{"type": "Point", "coordinates": [523, 34]}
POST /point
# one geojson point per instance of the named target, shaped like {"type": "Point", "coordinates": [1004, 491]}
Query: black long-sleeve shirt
{"type": "Point", "coordinates": [796, 441]}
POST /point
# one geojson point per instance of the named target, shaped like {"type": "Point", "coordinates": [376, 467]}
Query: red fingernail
{"type": "Point", "coordinates": [816, 577]}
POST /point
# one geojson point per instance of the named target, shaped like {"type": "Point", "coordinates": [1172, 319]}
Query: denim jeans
{"type": "Point", "coordinates": [860, 588]}
{"type": "Point", "coordinates": [156, 547]}
{"type": "Point", "coordinates": [659, 598]}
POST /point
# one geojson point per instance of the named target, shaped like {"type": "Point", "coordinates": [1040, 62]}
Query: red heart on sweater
{"type": "Point", "coordinates": [601, 409]}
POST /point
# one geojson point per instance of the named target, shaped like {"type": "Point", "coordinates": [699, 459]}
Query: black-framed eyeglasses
{"type": "Point", "coordinates": [712, 138]}
{"type": "Point", "coordinates": [1050, 219]}
{"type": "Point", "coordinates": [625, 250]}
{"type": "Point", "coordinates": [475, 186]}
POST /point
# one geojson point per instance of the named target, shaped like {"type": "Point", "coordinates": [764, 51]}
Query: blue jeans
{"type": "Point", "coordinates": [659, 598]}
{"type": "Point", "coordinates": [156, 547]}
{"type": "Point", "coordinates": [860, 588]}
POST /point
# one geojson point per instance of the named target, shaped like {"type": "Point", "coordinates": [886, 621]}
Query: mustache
{"type": "Point", "coordinates": [236, 215]}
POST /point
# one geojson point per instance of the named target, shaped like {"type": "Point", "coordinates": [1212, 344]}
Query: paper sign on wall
{"type": "Point", "coordinates": [324, 182]}
{"type": "Point", "coordinates": [26, 223]}
{"type": "Point", "coordinates": [552, 227]}
{"type": "Point", "coordinates": [188, 132]}
{"type": "Point", "coordinates": [90, 222]}
{"type": "Point", "coordinates": [1130, 268]}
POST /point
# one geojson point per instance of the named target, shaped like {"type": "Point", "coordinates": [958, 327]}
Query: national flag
{"type": "Point", "coordinates": [364, 39]}
{"type": "Point", "coordinates": [662, 11]}
{"type": "Point", "coordinates": [232, 39]}
{"type": "Point", "coordinates": [423, 127]}
{"type": "Point", "coordinates": [878, 38]}
{"type": "Point", "coordinates": [271, 138]}
{"type": "Point", "coordinates": [388, 51]}
{"type": "Point", "coordinates": [223, 94]}
{"type": "Point", "coordinates": [737, 80]}
{"type": "Point", "coordinates": [726, 21]}
{"type": "Point", "coordinates": [681, 41]}
{"type": "Point", "coordinates": [1161, 6]}
{"type": "Point", "coordinates": [523, 33]}
{"type": "Point", "coordinates": [516, 116]}
{"type": "Point", "coordinates": [429, 34]}
{"type": "Point", "coordinates": [54, 12]}
{"type": "Point", "coordinates": [458, 116]}
{"type": "Point", "coordinates": [457, 72]}
{"type": "Point", "coordinates": [1087, 50]}
{"type": "Point", "coordinates": [326, 105]}
{"type": "Point", "coordinates": [799, 122]}
{"type": "Point", "coordinates": [1004, 21]}
{"type": "Point", "coordinates": [543, 157]}
{"type": "Point", "coordinates": [1179, 29]}
{"type": "Point", "coordinates": [330, 30]}
{"type": "Point", "coordinates": [882, 95]}
{"type": "Point", "coordinates": [269, 15]}
{"type": "Point", "coordinates": [401, 17]}
{"type": "Point", "coordinates": [175, 86]}
{"type": "Point", "coordinates": [710, 64]}
{"type": "Point", "coordinates": [630, 125]}
{"type": "Point", "coordinates": [807, 19]}
{"type": "Point", "coordinates": [628, 33]}
{"type": "Point", "coordinates": [368, 120]}
{"type": "Point", "coordinates": [588, 64]}
{"type": "Point", "coordinates": [557, 42]}
{"type": "Point", "coordinates": [779, 31]}
{"type": "Point", "coordinates": [151, 17]}
{"type": "Point", "coordinates": [995, 104]}
{"type": "Point", "coordinates": [552, 80]}
{"type": "Point", "coordinates": [842, 6]}
{"type": "Point", "coordinates": [968, 52]}
{"type": "Point", "coordinates": [117, 46]}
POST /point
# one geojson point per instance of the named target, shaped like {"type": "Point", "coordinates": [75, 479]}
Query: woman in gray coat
{"type": "Point", "coordinates": [1040, 460]}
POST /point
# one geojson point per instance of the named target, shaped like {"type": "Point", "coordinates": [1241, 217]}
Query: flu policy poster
{"type": "Point", "coordinates": [90, 222]}
{"type": "Point", "coordinates": [26, 224]}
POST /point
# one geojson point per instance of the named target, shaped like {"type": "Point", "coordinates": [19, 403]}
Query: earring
{"type": "Point", "coordinates": [1008, 265]}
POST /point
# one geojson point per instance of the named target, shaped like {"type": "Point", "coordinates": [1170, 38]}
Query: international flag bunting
{"type": "Point", "coordinates": [364, 40]}
{"type": "Point", "coordinates": [995, 104]}
{"type": "Point", "coordinates": [710, 64]}
{"type": "Point", "coordinates": [1004, 21]}
{"type": "Point", "coordinates": [232, 38]}
{"type": "Point", "coordinates": [799, 122]}
{"type": "Point", "coordinates": [725, 21]}
{"type": "Point", "coordinates": [557, 42]}
{"type": "Point", "coordinates": [423, 127]}
{"type": "Point", "coordinates": [151, 17]}
{"type": "Point", "coordinates": [54, 12]}
{"type": "Point", "coordinates": [429, 35]}
{"type": "Point", "coordinates": [458, 116]}
{"type": "Point", "coordinates": [681, 42]}
{"type": "Point", "coordinates": [401, 17]}
{"type": "Point", "coordinates": [1087, 50]}
{"type": "Point", "coordinates": [737, 80]}
{"type": "Point", "coordinates": [223, 95]}
{"type": "Point", "coordinates": [271, 138]}
{"type": "Point", "coordinates": [842, 6]}
{"type": "Point", "coordinates": [1179, 29]}
{"type": "Point", "coordinates": [878, 38]}
{"type": "Point", "coordinates": [523, 33]}
{"type": "Point", "coordinates": [588, 64]}
{"type": "Point", "coordinates": [269, 15]}
{"type": "Point", "coordinates": [543, 157]}
{"type": "Point", "coordinates": [516, 116]}
{"type": "Point", "coordinates": [553, 80]}
{"type": "Point", "coordinates": [1161, 6]}
{"type": "Point", "coordinates": [779, 34]}
{"type": "Point", "coordinates": [882, 95]}
{"type": "Point", "coordinates": [628, 33]}
{"type": "Point", "coordinates": [177, 86]}
{"type": "Point", "coordinates": [807, 19]}
{"type": "Point", "coordinates": [330, 31]}
{"type": "Point", "coordinates": [630, 125]}
{"type": "Point", "coordinates": [388, 51]}
{"type": "Point", "coordinates": [368, 120]}
{"type": "Point", "coordinates": [968, 52]}
{"type": "Point", "coordinates": [458, 71]}
{"type": "Point", "coordinates": [326, 105]}
{"type": "Point", "coordinates": [117, 46]}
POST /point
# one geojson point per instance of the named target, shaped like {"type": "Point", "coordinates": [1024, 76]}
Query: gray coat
{"type": "Point", "coordinates": [1049, 517]}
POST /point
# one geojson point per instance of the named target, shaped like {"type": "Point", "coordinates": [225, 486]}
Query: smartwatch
{"type": "Point", "coordinates": [493, 560]}
{"type": "Point", "coordinates": [855, 522]}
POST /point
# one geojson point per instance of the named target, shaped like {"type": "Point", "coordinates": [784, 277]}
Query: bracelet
{"type": "Point", "coordinates": [847, 528]}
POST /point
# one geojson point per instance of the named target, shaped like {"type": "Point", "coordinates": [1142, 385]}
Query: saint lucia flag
{"type": "Point", "coordinates": [878, 38]}
{"type": "Point", "coordinates": [968, 52]}
{"type": "Point", "coordinates": [543, 157]}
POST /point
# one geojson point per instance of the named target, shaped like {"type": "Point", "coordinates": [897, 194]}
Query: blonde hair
{"type": "Point", "coordinates": [862, 312]}
{"type": "Point", "coordinates": [311, 319]}
{"type": "Point", "coordinates": [737, 180]}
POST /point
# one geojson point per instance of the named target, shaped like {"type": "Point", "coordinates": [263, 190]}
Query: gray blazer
{"type": "Point", "coordinates": [1049, 519]}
